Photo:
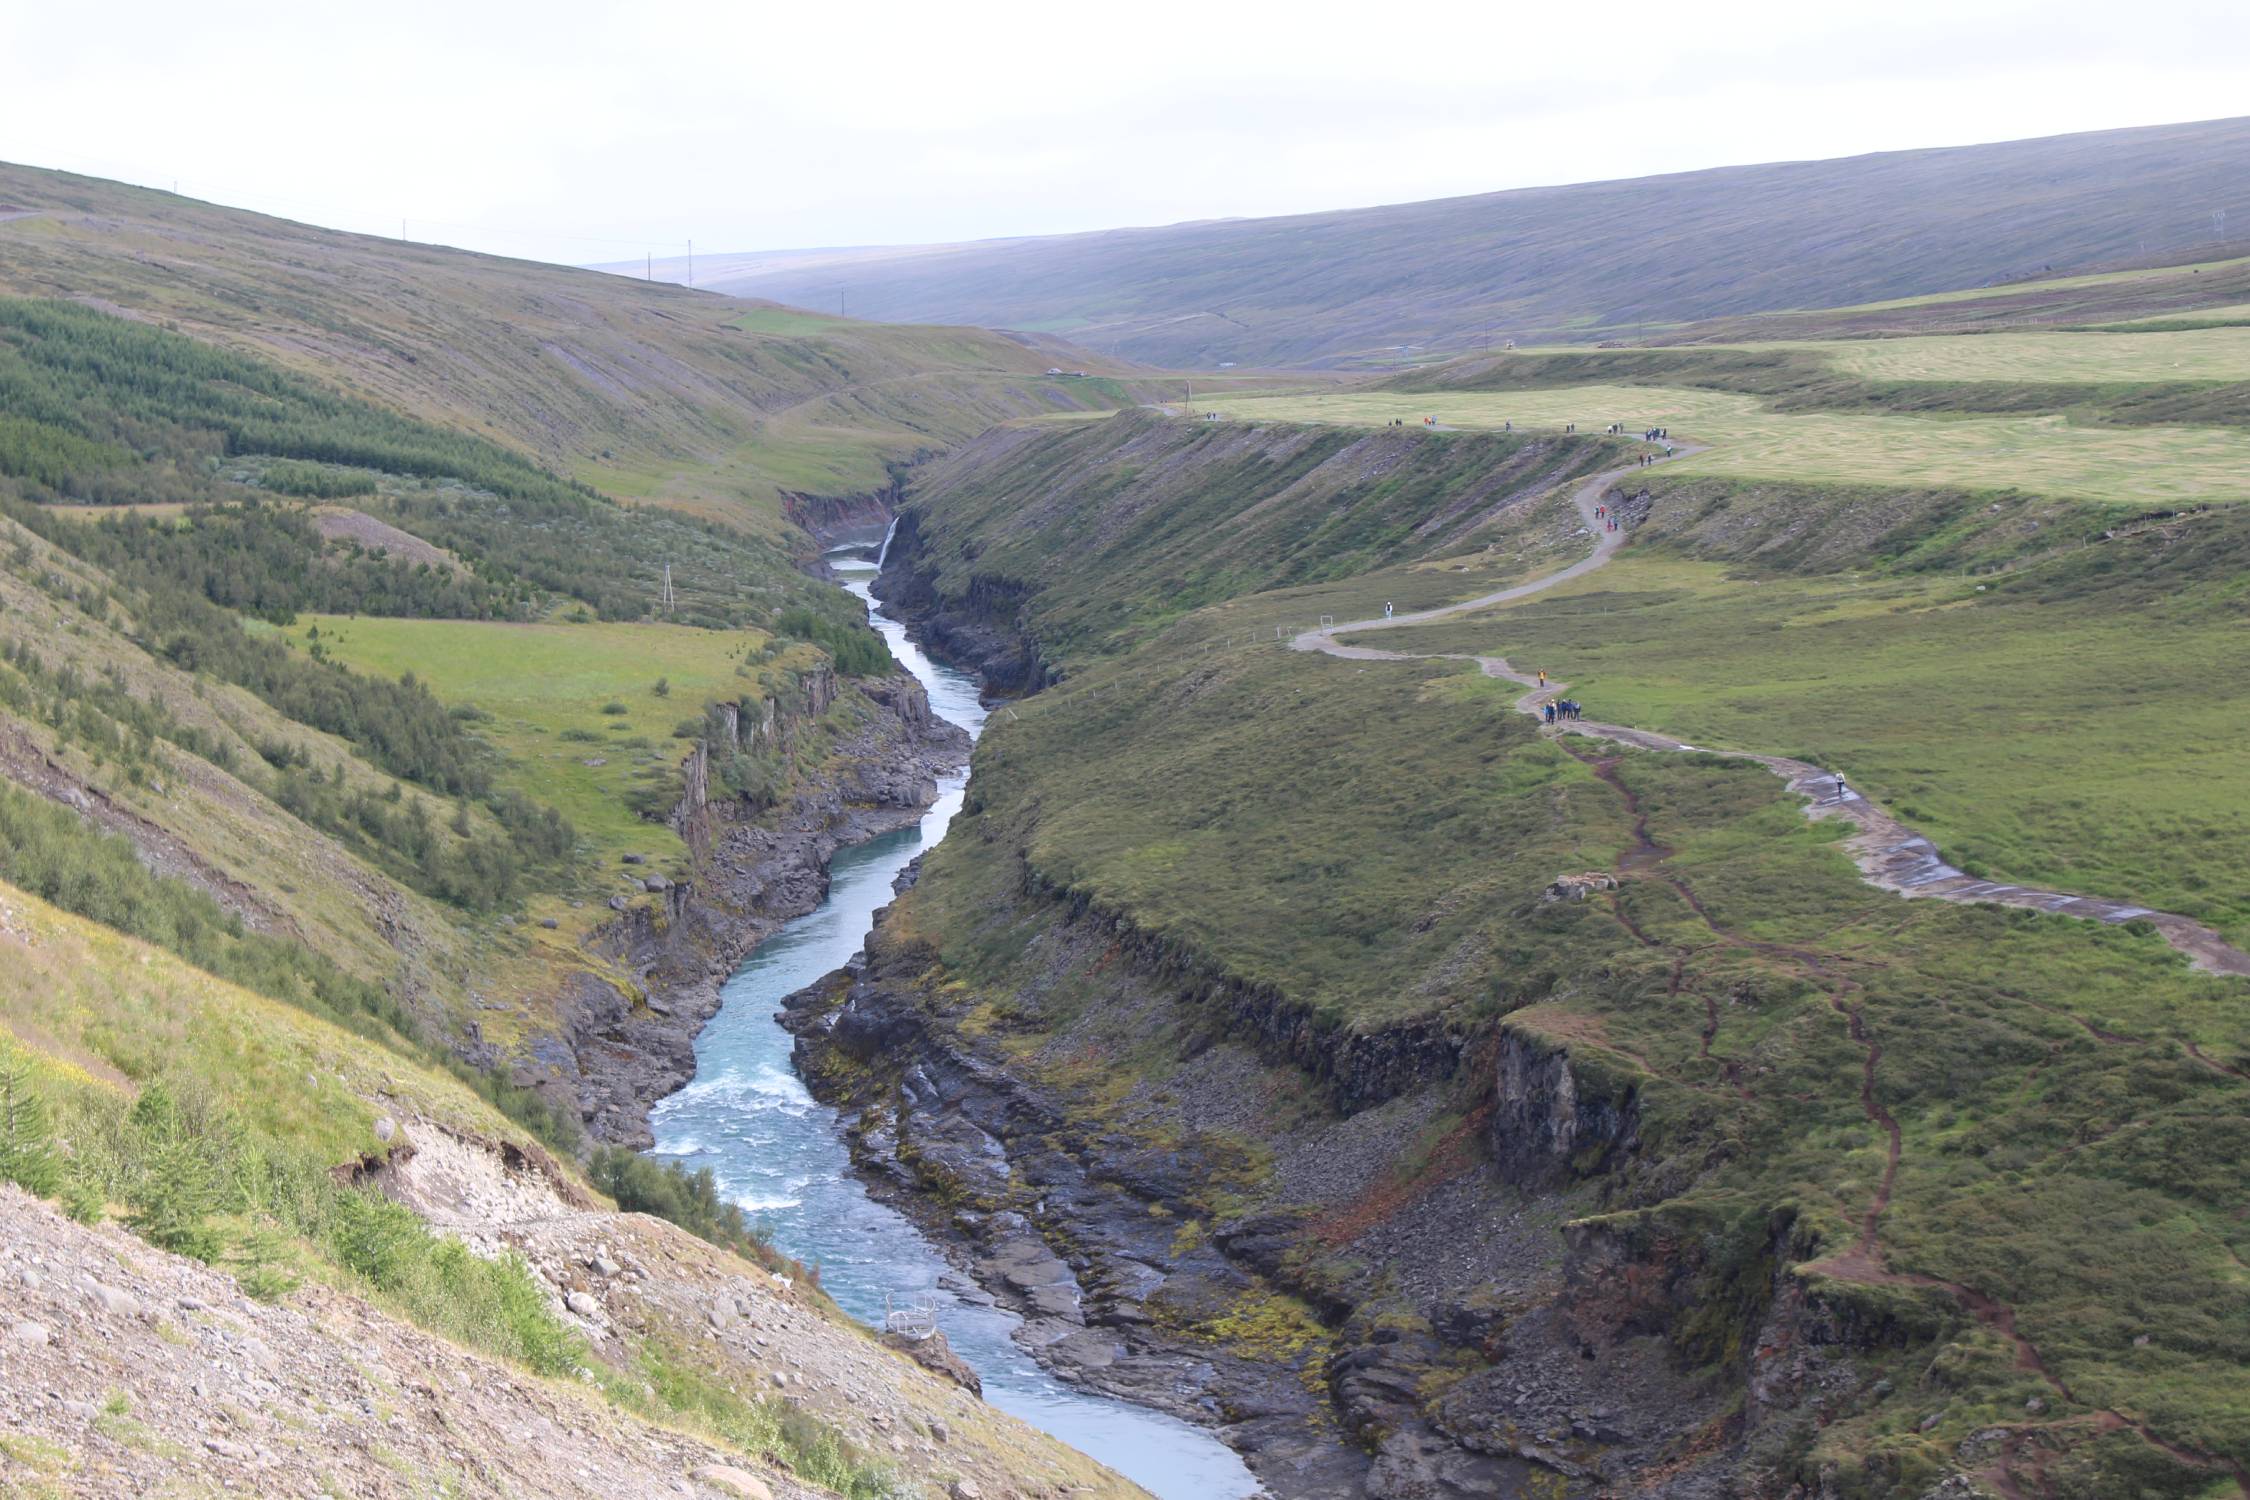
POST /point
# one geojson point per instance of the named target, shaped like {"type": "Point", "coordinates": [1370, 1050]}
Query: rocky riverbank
{"type": "Point", "coordinates": [1026, 1206]}
{"type": "Point", "coordinates": [1359, 1325]}
{"type": "Point", "coordinates": [628, 1029]}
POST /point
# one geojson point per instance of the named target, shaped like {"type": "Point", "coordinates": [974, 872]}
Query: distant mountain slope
{"type": "Point", "coordinates": [647, 392]}
{"type": "Point", "coordinates": [1580, 261]}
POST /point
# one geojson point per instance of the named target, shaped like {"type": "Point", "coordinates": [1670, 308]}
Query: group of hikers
{"type": "Point", "coordinates": [1615, 429]}
{"type": "Point", "coordinates": [1608, 518]}
{"type": "Point", "coordinates": [1555, 710]}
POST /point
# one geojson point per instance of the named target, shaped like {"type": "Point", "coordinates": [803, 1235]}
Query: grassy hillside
{"type": "Point", "coordinates": [1199, 847]}
{"type": "Point", "coordinates": [336, 687]}
{"type": "Point", "coordinates": [1374, 847]}
{"type": "Point", "coordinates": [645, 391]}
{"type": "Point", "coordinates": [2152, 296]}
{"type": "Point", "coordinates": [374, 685]}
{"type": "Point", "coordinates": [1107, 530]}
{"type": "Point", "coordinates": [2042, 454]}
{"type": "Point", "coordinates": [1587, 261]}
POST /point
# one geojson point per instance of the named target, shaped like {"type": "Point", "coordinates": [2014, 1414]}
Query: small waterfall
{"type": "Point", "coordinates": [885, 550]}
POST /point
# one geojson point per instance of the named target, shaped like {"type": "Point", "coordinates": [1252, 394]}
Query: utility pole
{"type": "Point", "coordinates": [402, 229]}
{"type": "Point", "coordinates": [648, 266]}
{"type": "Point", "coordinates": [691, 263]}
{"type": "Point", "coordinates": [667, 601]}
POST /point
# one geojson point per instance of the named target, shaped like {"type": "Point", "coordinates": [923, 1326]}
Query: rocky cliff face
{"type": "Point", "coordinates": [835, 519]}
{"type": "Point", "coordinates": [628, 1037]}
{"type": "Point", "coordinates": [982, 630]}
{"type": "Point", "coordinates": [1549, 1127]}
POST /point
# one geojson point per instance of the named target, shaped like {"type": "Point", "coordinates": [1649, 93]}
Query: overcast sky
{"type": "Point", "coordinates": [582, 133]}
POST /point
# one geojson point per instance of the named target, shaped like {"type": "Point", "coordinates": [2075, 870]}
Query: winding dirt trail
{"type": "Point", "coordinates": [1890, 855]}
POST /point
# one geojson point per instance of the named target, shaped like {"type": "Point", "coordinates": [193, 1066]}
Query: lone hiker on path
{"type": "Point", "coordinates": [1542, 678]}
{"type": "Point", "coordinates": [1386, 609]}
{"type": "Point", "coordinates": [1841, 791]}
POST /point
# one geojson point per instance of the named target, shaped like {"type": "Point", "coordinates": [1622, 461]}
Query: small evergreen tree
{"type": "Point", "coordinates": [27, 1140]}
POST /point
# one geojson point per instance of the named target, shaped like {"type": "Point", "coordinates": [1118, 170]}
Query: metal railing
{"type": "Point", "coordinates": [910, 1315]}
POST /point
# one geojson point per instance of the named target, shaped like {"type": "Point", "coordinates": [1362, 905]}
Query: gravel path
{"type": "Point", "coordinates": [1890, 855]}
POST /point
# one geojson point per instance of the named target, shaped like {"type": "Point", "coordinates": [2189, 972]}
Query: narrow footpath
{"type": "Point", "coordinates": [1890, 855]}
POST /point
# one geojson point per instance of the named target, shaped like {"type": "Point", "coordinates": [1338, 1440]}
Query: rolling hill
{"type": "Point", "coordinates": [645, 391]}
{"type": "Point", "coordinates": [1583, 261]}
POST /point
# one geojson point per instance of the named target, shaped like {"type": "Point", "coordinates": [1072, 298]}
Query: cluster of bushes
{"type": "Point", "coordinates": [689, 1199]}
{"type": "Point", "coordinates": [269, 561]}
{"type": "Point", "coordinates": [101, 410]}
{"type": "Point", "coordinates": [758, 777]}
{"type": "Point", "coordinates": [476, 871]}
{"type": "Point", "coordinates": [854, 647]}
{"type": "Point", "coordinates": [400, 726]}
{"type": "Point", "coordinates": [61, 858]}
{"type": "Point", "coordinates": [100, 714]}
{"type": "Point", "coordinates": [317, 481]}
{"type": "Point", "coordinates": [72, 376]}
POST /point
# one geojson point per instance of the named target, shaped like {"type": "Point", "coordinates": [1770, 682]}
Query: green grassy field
{"type": "Point", "coordinates": [2045, 742]}
{"type": "Point", "coordinates": [546, 686]}
{"type": "Point", "coordinates": [2046, 358]}
{"type": "Point", "coordinates": [2044, 455]}
{"type": "Point", "coordinates": [2226, 314]}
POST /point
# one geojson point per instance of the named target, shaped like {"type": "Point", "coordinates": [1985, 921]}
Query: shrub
{"type": "Point", "coordinates": [672, 1193]}
{"type": "Point", "coordinates": [27, 1139]}
{"type": "Point", "coordinates": [758, 777]}
{"type": "Point", "coordinates": [316, 481]}
{"type": "Point", "coordinates": [497, 1305]}
{"type": "Point", "coordinates": [856, 650]}
{"type": "Point", "coordinates": [179, 1155]}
